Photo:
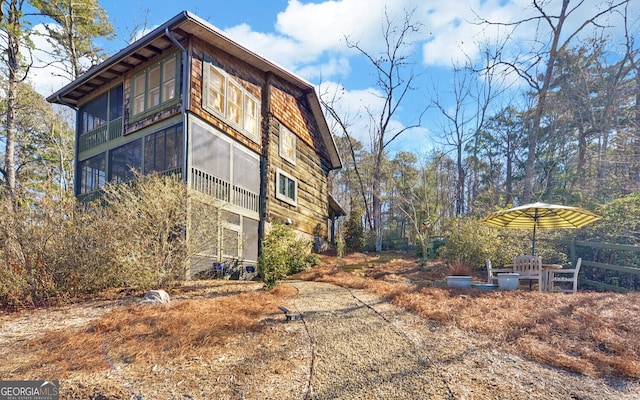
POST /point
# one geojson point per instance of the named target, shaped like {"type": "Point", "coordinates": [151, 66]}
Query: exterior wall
{"type": "Point", "coordinates": [248, 77]}
{"type": "Point", "coordinates": [289, 108]}
{"type": "Point", "coordinates": [286, 105]}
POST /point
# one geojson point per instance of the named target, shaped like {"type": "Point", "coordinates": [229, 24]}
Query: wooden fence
{"type": "Point", "coordinates": [607, 266]}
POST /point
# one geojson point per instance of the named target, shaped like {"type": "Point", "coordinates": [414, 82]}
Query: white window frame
{"type": "Point", "coordinates": [154, 94]}
{"type": "Point", "coordinates": [248, 122]}
{"type": "Point", "coordinates": [287, 147]}
{"type": "Point", "coordinates": [284, 197]}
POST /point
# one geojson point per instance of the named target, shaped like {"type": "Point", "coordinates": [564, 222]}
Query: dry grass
{"type": "Point", "coordinates": [149, 334]}
{"type": "Point", "coordinates": [597, 334]}
{"type": "Point", "coordinates": [593, 333]}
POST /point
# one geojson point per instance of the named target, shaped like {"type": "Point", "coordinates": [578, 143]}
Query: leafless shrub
{"type": "Point", "coordinates": [459, 268]}
{"type": "Point", "coordinates": [54, 249]}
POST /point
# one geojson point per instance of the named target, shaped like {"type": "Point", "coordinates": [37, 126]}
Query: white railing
{"type": "Point", "coordinates": [223, 190]}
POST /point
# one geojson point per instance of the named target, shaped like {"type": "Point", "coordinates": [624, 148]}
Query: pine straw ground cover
{"type": "Point", "coordinates": [593, 333]}
{"type": "Point", "coordinates": [118, 349]}
{"type": "Point", "coordinates": [105, 348]}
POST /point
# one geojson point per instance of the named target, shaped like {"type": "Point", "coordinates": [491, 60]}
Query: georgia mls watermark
{"type": "Point", "coordinates": [29, 390]}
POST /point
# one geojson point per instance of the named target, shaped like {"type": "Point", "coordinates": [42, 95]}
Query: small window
{"type": "Point", "coordinates": [138, 94]}
{"type": "Point", "coordinates": [153, 93]}
{"type": "Point", "coordinates": [235, 104]}
{"type": "Point", "coordinates": [287, 145]}
{"type": "Point", "coordinates": [169, 80]}
{"type": "Point", "coordinates": [286, 188]}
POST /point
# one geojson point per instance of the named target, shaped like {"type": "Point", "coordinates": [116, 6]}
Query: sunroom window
{"type": "Point", "coordinates": [103, 109]}
{"type": "Point", "coordinates": [155, 85]}
{"type": "Point", "coordinates": [228, 99]}
{"type": "Point", "coordinates": [163, 150]}
{"type": "Point", "coordinates": [124, 160]}
{"type": "Point", "coordinates": [93, 173]}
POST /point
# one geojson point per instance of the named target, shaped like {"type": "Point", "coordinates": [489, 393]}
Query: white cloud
{"type": "Point", "coordinates": [310, 38]}
{"type": "Point", "coordinates": [334, 67]}
{"type": "Point", "coordinates": [323, 26]}
{"type": "Point", "coordinates": [281, 49]}
{"type": "Point", "coordinates": [354, 107]}
{"type": "Point", "coordinates": [45, 75]}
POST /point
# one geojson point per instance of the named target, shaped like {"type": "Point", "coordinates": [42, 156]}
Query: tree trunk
{"type": "Point", "coordinates": [377, 204]}
{"type": "Point", "coordinates": [13, 64]}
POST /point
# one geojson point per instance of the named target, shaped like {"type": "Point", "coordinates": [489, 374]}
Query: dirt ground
{"type": "Point", "coordinates": [285, 359]}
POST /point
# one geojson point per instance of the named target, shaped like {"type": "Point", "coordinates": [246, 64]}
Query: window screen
{"type": "Point", "coordinates": [211, 153]}
{"type": "Point", "coordinates": [93, 173]}
{"type": "Point", "coordinates": [124, 159]}
{"type": "Point", "coordinates": [163, 149]}
{"type": "Point", "coordinates": [250, 239]}
{"type": "Point", "coordinates": [246, 170]}
{"type": "Point", "coordinates": [94, 114]}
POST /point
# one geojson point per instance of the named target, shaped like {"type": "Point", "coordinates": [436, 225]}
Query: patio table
{"type": "Point", "coordinates": [545, 275]}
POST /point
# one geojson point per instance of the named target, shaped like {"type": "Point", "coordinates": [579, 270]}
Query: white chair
{"type": "Point", "coordinates": [529, 268]}
{"type": "Point", "coordinates": [564, 276]}
{"type": "Point", "coordinates": [492, 273]}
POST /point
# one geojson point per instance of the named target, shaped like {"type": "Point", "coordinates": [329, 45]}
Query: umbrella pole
{"type": "Point", "coordinates": [533, 241]}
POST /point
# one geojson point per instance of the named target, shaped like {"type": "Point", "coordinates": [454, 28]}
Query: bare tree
{"type": "Point", "coordinates": [536, 67]}
{"type": "Point", "coordinates": [394, 78]}
{"type": "Point", "coordinates": [343, 124]}
{"type": "Point", "coordinates": [474, 90]}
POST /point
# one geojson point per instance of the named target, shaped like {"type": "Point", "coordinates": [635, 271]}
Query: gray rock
{"type": "Point", "coordinates": [155, 297]}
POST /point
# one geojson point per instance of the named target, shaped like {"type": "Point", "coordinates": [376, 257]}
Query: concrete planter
{"type": "Point", "coordinates": [455, 281]}
{"type": "Point", "coordinates": [508, 281]}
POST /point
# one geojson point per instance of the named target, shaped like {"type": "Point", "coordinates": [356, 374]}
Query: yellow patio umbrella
{"type": "Point", "coordinates": [541, 216]}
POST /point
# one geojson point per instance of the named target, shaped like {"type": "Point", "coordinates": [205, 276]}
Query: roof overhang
{"type": "Point", "coordinates": [335, 209]}
{"type": "Point", "coordinates": [156, 42]}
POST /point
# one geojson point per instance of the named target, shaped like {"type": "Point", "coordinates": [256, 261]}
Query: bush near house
{"type": "Point", "coordinates": [53, 249]}
{"type": "Point", "coordinates": [283, 254]}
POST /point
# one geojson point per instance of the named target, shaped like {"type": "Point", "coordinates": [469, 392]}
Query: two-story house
{"type": "Point", "coordinates": [237, 128]}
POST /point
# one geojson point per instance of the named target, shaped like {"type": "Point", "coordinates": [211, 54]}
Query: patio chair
{"type": "Point", "coordinates": [564, 276]}
{"type": "Point", "coordinates": [529, 268]}
{"type": "Point", "coordinates": [492, 273]}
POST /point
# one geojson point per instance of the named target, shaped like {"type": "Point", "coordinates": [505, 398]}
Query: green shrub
{"type": "Point", "coordinates": [472, 242]}
{"type": "Point", "coordinates": [313, 260]}
{"type": "Point", "coordinates": [282, 254]}
{"type": "Point", "coordinates": [468, 241]}
{"type": "Point", "coordinates": [354, 238]}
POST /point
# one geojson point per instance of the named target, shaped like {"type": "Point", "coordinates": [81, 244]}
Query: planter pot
{"type": "Point", "coordinates": [508, 281]}
{"type": "Point", "coordinates": [459, 281]}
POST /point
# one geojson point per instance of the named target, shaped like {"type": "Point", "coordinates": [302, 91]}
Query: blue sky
{"type": "Point", "coordinates": [307, 37]}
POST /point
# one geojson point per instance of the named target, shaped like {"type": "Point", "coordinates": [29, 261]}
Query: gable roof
{"type": "Point", "coordinates": [182, 25]}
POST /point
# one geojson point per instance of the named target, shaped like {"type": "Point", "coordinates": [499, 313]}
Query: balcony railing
{"type": "Point", "coordinates": [100, 135]}
{"type": "Point", "coordinates": [222, 190]}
